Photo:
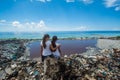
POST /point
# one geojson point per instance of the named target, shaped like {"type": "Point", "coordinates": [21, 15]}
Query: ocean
{"type": "Point", "coordinates": [60, 34]}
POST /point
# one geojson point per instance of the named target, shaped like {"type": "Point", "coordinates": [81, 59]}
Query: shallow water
{"type": "Point", "coordinates": [67, 47]}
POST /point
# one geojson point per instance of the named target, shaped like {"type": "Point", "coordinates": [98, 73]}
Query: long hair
{"type": "Point", "coordinates": [54, 38]}
{"type": "Point", "coordinates": [44, 40]}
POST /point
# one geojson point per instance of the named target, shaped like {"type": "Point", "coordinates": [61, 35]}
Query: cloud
{"type": "Point", "coordinates": [84, 1]}
{"type": "Point", "coordinates": [70, 1]}
{"type": "Point", "coordinates": [87, 1]}
{"type": "Point", "coordinates": [117, 8]}
{"type": "Point", "coordinates": [41, 24]}
{"type": "Point", "coordinates": [43, 0]}
{"type": "Point", "coordinates": [112, 3]}
{"type": "Point", "coordinates": [16, 24]}
{"type": "Point", "coordinates": [109, 3]}
{"type": "Point", "coordinates": [81, 28]}
{"type": "Point", "coordinates": [29, 26]}
{"type": "Point", "coordinates": [2, 21]}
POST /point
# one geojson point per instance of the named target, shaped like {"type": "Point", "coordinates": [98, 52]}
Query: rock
{"type": "Point", "coordinates": [65, 55]}
{"type": "Point", "coordinates": [13, 66]}
{"type": "Point", "coordinates": [8, 70]}
{"type": "Point", "coordinates": [13, 75]}
{"type": "Point", "coordinates": [2, 74]}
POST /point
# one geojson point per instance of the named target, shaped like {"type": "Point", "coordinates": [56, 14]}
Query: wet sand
{"type": "Point", "coordinates": [67, 46]}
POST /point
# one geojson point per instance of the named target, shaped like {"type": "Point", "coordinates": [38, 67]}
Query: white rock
{"type": "Point", "coordinates": [65, 56]}
{"type": "Point", "coordinates": [8, 70]}
{"type": "Point", "coordinates": [13, 66]}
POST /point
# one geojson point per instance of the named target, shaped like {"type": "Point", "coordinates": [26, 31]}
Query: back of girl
{"type": "Point", "coordinates": [45, 50]}
{"type": "Point", "coordinates": [55, 47]}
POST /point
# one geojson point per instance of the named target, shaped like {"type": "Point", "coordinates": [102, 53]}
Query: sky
{"type": "Point", "coordinates": [59, 15]}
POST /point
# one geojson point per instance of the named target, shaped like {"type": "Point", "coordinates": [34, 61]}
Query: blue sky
{"type": "Point", "coordinates": [59, 15]}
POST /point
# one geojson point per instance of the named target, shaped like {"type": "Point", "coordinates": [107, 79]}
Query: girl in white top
{"type": "Point", "coordinates": [55, 51]}
{"type": "Point", "coordinates": [45, 47]}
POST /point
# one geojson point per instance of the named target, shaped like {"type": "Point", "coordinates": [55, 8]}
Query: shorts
{"type": "Point", "coordinates": [44, 57]}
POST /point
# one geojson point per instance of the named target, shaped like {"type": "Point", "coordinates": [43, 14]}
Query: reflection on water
{"type": "Point", "coordinates": [67, 46]}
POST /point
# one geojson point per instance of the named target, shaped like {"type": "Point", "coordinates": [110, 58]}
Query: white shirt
{"type": "Point", "coordinates": [46, 51]}
{"type": "Point", "coordinates": [56, 53]}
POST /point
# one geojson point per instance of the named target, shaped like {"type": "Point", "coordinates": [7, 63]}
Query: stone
{"type": "Point", "coordinates": [8, 70]}
{"type": "Point", "coordinates": [65, 55]}
{"type": "Point", "coordinates": [13, 66]}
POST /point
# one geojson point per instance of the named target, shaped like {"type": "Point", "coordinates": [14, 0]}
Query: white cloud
{"type": "Point", "coordinates": [70, 0]}
{"type": "Point", "coordinates": [16, 24]}
{"type": "Point", "coordinates": [41, 24]}
{"type": "Point", "coordinates": [87, 1]}
{"type": "Point", "coordinates": [84, 1]}
{"type": "Point", "coordinates": [43, 0]}
{"type": "Point", "coordinates": [112, 3]}
{"type": "Point", "coordinates": [29, 26]}
{"type": "Point", "coordinates": [117, 8]}
{"type": "Point", "coordinates": [81, 28]}
{"type": "Point", "coordinates": [2, 21]}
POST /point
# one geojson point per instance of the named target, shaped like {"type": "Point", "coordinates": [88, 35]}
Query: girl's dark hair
{"type": "Point", "coordinates": [44, 40]}
{"type": "Point", "coordinates": [54, 38]}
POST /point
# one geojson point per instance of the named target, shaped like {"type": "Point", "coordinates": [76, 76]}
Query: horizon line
{"type": "Point", "coordinates": [58, 31]}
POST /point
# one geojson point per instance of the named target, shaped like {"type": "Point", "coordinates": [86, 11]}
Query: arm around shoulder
{"type": "Point", "coordinates": [52, 48]}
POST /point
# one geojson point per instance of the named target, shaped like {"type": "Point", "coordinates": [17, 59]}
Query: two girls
{"type": "Point", "coordinates": [49, 49]}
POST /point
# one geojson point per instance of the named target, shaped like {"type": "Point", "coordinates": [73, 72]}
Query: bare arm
{"type": "Point", "coordinates": [41, 50]}
{"type": "Point", "coordinates": [51, 47]}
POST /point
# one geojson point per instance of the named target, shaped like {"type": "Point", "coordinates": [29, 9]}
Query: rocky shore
{"type": "Point", "coordinates": [95, 64]}
{"type": "Point", "coordinates": [11, 52]}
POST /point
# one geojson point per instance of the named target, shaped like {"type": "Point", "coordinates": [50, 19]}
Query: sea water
{"type": "Point", "coordinates": [60, 34]}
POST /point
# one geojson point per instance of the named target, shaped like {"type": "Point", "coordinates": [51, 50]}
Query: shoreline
{"type": "Point", "coordinates": [69, 38]}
